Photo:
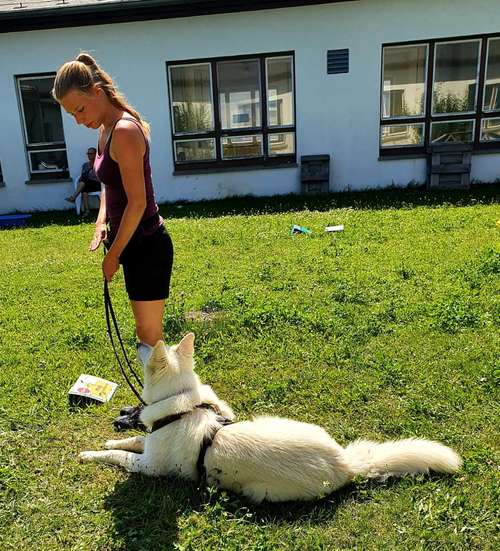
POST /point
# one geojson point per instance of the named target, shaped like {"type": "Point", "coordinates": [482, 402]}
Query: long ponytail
{"type": "Point", "coordinates": [84, 72]}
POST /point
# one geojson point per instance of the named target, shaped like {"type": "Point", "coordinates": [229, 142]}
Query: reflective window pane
{"type": "Point", "coordinates": [281, 144]}
{"type": "Point", "coordinates": [191, 96]}
{"type": "Point", "coordinates": [194, 150]}
{"type": "Point", "coordinates": [42, 114]}
{"type": "Point", "coordinates": [239, 94]}
{"type": "Point", "coordinates": [453, 131]}
{"type": "Point", "coordinates": [279, 91]}
{"type": "Point", "coordinates": [405, 68]}
{"type": "Point", "coordinates": [490, 130]}
{"type": "Point", "coordinates": [492, 82]}
{"type": "Point", "coordinates": [455, 77]}
{"type": "Point", "coordinates": [241, 147]}
{"type": "Point", "coordinates": [400, 135]}
{"type": "Point", "coordinates": [54, 160]}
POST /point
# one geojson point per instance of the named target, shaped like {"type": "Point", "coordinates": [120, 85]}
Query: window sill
{"type": "Point", "coordinates": [403, 157]}
{"type": "Point", "coordinates": [486, 151]}
{"type": "Point", "coordinates": [214, 170]}
{"type": "Point", "coordinates": [49, 181]}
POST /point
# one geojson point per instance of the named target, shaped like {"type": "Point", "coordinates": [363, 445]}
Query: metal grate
{"type": "Point", "coordinates": [337, 61]}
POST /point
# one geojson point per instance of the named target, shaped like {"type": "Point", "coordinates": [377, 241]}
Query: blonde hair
{"type": "Point", "coordinates": [84, 72]}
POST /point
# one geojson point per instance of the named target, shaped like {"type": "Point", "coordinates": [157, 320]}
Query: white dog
{"type": "Point", "coordinates": [267, 458]}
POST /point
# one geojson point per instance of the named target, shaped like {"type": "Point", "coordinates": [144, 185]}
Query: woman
{"type": "Point", "coordinates": [88, 182]}
{"type": "Point", "coordinates": [136, 237]}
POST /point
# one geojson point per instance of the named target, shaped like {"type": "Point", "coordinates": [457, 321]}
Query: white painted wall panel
{"type": "Point", "coordinates": [336, 114]}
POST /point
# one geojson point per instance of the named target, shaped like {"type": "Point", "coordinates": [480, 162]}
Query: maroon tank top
{"type": "Point", "coordinates": [108, 172]}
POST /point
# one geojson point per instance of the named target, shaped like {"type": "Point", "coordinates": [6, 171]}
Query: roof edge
{"type": "Point", "coordinates": [80, 16]}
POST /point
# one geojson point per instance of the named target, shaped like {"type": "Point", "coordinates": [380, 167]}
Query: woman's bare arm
{"type": "Point", "coordinates": [100, 224]}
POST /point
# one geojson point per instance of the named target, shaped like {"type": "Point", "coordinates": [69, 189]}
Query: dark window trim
{"type": "Point", "coordinates": [428, 118]}
{"type": "Point", "coordinates": [48, 180]}
{"type": "Point", "coordinates": [30, 148]}
{"type": "Point", "coordinates": [232, 166]}
{"type": "Point", "coordinates": [442, 39]}
{"type": "Point", "coordinates": [218, 132]}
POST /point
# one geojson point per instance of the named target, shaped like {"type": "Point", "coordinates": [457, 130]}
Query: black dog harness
{"type": "Point", "coordinates": [207, 439]}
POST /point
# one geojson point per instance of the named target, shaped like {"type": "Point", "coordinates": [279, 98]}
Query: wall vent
{"type": "Point", "coordinates": [337, 61]}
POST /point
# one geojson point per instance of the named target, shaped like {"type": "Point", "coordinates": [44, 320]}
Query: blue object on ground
{"type": "Point", "coordinates": [14, 220]}
{"type": "Point", "coordinates": [299, 229]}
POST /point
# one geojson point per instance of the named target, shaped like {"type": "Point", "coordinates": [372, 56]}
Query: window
{"type": "Point", "coordinates": [455, 77]}
{"type": "Point", "coordinates": [404, 81]}
{"type": "Point", "coordinates": [491, 100]}
{"type": "Point", "coordinates": [440, 91]}
{"type": "Point", "coordinates": [43, 129]}
{"type": "Point", "coordinates": [233, 111]}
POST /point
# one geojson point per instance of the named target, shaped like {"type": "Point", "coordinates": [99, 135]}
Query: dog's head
{"type": "Point", "coordinates": [170, 370]}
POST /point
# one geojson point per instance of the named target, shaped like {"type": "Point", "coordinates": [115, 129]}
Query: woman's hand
{"type": "Point", "coordinates": [99, 236]}
{"type": "Point", "coordinates": [110, 266]}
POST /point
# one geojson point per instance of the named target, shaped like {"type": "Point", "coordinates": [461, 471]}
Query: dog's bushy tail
{"type": "Point", "coordinates": [396, 458]}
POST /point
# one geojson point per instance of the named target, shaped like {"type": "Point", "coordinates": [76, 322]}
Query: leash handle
{"type": "Point", "coordinates": [108, 307]}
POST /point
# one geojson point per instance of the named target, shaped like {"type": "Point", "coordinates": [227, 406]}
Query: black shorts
{"type": "Point", "coordinates": [90, 185]}
{"type": "Point", "coordinates": [147, 265]}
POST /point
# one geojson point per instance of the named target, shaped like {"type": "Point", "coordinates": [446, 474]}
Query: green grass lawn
{"type": "Point", "coordinates": [387, 330]}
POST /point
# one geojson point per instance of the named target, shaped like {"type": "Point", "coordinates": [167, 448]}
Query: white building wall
{"type": "Point", "coordinates": [336, 114]}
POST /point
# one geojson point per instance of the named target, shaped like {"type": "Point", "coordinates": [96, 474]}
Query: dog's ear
{"type": "Point", "coordinates": [158, 358]}
{"type": "Point", "coordinates": [186, 346]}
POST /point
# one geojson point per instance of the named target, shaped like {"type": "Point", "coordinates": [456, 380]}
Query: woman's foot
{"type": "Point", "coordinates": [70, 199]}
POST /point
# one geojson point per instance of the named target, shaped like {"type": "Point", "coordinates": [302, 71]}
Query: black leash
{"type": "Point", "coordinates": [108, 307]}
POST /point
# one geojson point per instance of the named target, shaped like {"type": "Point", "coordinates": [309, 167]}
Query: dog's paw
{"type": "Point", "coordinates": [111, 444]}
{"type": "Point", "coordinates": [85, 457]}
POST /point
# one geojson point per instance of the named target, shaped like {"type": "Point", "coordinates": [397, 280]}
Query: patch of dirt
{"type": "Point", "coordinates": [202, 315]}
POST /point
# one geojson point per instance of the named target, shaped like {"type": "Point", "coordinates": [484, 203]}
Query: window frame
{"type": "Point", "coordinates": [428, 118]}
{"type": "Point", "coordinates": [401, 118]}
{"type": "Point", "coordinates": [487, 48]}
{"type": "Point", "coordinates": [265, 160]}
{"type": "Point", "coordinates": [39, 147]}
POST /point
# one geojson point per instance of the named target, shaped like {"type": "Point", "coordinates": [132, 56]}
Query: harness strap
{"type": "Point", "coordinates": [206, 443]}
{"type": "Point", "coordinates": [164, 421]}
{"type": "Point", "coordinates": [207, 439]}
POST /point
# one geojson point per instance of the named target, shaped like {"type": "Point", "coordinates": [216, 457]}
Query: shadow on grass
{"type": "Point", "coordinates": [366, 200]}
{"type": "Point", "coordinates": [146, 511]}
{"type": "Point", "coordinates": [369, 200]}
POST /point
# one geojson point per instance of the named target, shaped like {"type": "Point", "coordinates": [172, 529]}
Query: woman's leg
{"type": "Point", "coordinates": [147, 267]}
{"type": "Point", "coordinates": [85, 201]}
{"type": "Point", "coordinates": [78, 190]}
{"type": "Point", "coordinates": [149, 329]}
{"type": "Point", "coordinates": [148, 315]}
